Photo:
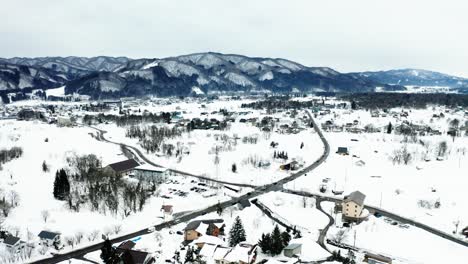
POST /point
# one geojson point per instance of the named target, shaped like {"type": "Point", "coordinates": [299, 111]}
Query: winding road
{"type": "Point", "coordinates": [258, 190]}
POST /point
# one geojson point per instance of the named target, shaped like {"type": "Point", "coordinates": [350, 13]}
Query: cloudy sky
{"type": "Point", "coordinates": [346, 35]}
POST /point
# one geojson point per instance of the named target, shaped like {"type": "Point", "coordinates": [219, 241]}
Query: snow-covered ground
{"type": "Point", "coordinates": [402, 189]}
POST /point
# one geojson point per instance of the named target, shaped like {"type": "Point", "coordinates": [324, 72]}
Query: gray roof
{"type": "Point", "coordinates": [194, 224]}
{"type": "Point", "coordinates": [11, 240]}
{"type": "Point", "coordinates": [293, 246]}
{"type": "Point", "coordinates": [357, 197]}
{"type": "Point", "coordinates": [48, 235]}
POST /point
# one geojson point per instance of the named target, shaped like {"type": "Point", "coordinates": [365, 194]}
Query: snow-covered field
{"type": "Point", "coordinates": [410, 190]}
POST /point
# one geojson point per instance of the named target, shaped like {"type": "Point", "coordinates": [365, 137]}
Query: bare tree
{"type": "Point", "coordinates": [442, 148]}
{"type": "Point", "coordinates": [70, 241]}
{"type": "Point", "coordinates": [45, 215]}
{"type": "Point", "coordinates": [456, 223]}
{"type": "Point", "coordinates": [14, 198]}
{"type": "Point", "coordinates": [78, 237]}
{"type": "Point", "coordinates": [93, 235]}
{"type": "Point", "coordinates": [340, 236]}
{"type": "Point", "coordinates": [304, 201]}
{"type": "Point", "coordinates": [117, 229]}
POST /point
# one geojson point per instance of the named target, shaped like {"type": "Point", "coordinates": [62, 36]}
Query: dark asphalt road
{"type": "Point", "coordinates": [259, 190]}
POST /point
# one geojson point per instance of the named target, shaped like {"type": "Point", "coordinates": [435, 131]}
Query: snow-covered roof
{"type": "Point", "coordinates": [239, 253]}
{"type": "Point", "coordinates": [220, 253]}
{"type": "Point", "coordinates": [148, 167]}
{"type": "Point", "coordinates": [202, 228]}
{"type": "Point", "coordinates": [207, 239]}
{"type": "Point", "coordinates": [208, 250]}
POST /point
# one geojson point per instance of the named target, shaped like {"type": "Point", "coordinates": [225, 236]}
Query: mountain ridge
{"type": "Point", "coordinates": [210, 73]}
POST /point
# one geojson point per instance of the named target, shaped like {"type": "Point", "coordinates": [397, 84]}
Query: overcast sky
{"type": "Point", "coordinates": [347, 35]}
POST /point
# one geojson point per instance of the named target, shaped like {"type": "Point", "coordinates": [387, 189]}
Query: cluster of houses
{"type": "Point", "coordinates": [208, 237]}
{"type": "Point", "coordinates": [47, 238]}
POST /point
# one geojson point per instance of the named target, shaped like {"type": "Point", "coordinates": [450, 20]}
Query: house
{"type": "Point", "coordinates": [242, 253]}
{"type": "Point", "coordinates": [353, 205]}
{"type": "Point", "coordinates": [123, 168]}
{"type": "Point", "coordinates": [12, 243]}
{"type": "Point", "coordinates": [292, 250]}
{"type": "Point", "coordinates": [219, 254]}
{"type": "Point", "coordinates": [127, 245]}
{"type": "Point", "coordinates": [167, 209]}
{"type": "Point", "coordinates": [342, 151]}
{"type": "Point", "coordinates": [293, 165]}
{"type": "Point", "coordinates": [208, 240]}
{"type": "Point", "coordinates": [197, 228]}
{"type": "Point", "coordinates": [130, 256]}
{"type": "Point", "coordinates": [149, 172]}
{"type": "Point", "coordinates": [244, 203]}
{"type": "Point", "coordinates": [376, 259]}
{"type": "Point", "coordinates": [49, 238]}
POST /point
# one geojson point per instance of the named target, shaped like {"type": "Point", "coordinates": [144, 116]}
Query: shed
{"type": "Point", "coordinates": [12, 242]}
{"type": "Point", "coordinates": [292, 249]}
{"type": "Point", "coordinates": [342, 151]}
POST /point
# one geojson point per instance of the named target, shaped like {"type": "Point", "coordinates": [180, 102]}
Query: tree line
{"type": "Point", "coordinates": [7, 155]}
{"type": "Point", "coordinates": [391, 100]}
{"type": "Point", "coordinates": [125, 120]}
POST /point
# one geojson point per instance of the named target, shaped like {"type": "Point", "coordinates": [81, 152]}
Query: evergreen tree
{"type": "Point", "coordinates": [219, 209]}
{"type": "Point", "coordinates": [234, 168]}
{"type": "Point", "coordinates": [265, 243]}
{"type": "Point", "coordinates": [57, 185]}
{"type": "Point", "coordinates": [45, 168]}
{"type": "Point", "coordinates": [286, 237]}
{"type": "Point", "coordinates": [108, 254]}
{"type": "Point", "coordinates": [353, 105]}
{"type": "Point", "coordinates": [237, 233]}
{"type": "Point", "coordinates": [389, 128]}
{"type": "Point", "coordinates": [61, 185]}
{"type": "Point", "coordinates": [302, 145]}
{"type": "Point", "coordinates": [276, 241]}
{"type": "Point", "coordinates": [189, 255]}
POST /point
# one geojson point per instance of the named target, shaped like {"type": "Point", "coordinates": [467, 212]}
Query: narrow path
{"type": "Point", "coordinates": [323, 232]}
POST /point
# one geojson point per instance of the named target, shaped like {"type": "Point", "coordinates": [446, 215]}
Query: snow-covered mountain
{"type": "Point", "coordinates": [215, 73]}
{"type": "Point", "coordinates": [20, 77]}
{"type": "Point", "coordinates": [414, 77]}
{"type": "Point", "coordinates": [72, 64]}
{"type": "Point", "coordinates": [205, 73]}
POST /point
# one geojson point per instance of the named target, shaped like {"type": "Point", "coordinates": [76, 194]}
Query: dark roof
{"type": "Point", "coordinates": [11, 240]}
{"type": "Point", "coordinates": [127, 245]}
{"type": "Point", "coordinates": [124, 165]}
{"type": "Point", "coordinates": [342, 149]}
{"type": "Point", "coordinates": [244, 203]}
{"type": "Point", "coordinates": [194, 224]}
{"type": "Point", "coordinates": [129, 256]}
{"type": "Point", "coordinates": [48, 235]}
{"type": "Point", "coordinates": [357, 197]}
{"type": "Point", "coordinates": [378, 257]}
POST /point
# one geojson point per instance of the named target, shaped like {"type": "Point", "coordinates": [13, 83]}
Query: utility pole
{"type": "Point", "coordinates": [380, 199]}
{"type": "Point", "coordinates": [354, 244]}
